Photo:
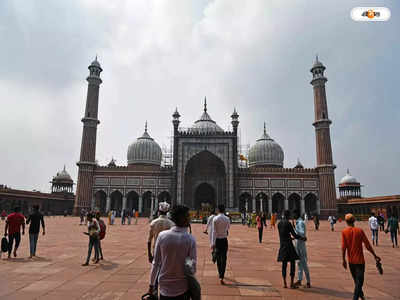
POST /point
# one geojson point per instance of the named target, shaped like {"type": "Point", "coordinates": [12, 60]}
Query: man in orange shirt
{"type": "Point", "coordinates": [352, 240]}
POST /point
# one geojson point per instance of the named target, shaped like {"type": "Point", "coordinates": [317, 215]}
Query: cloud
{"type": "Point", "coordinates": [156, 56]}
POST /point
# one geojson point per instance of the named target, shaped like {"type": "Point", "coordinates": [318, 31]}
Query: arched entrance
{"type": "Point", "coordinates": [261, 202]}
{"type": "Point", "coordinates": [147, 198]}
{"type": "Point", "coordinates": [204, 168]}
{"type": "Point", "coordinates": [204, 194]}
{"type": "Point", "coordinates": [310, 203]}
{"type": "Point", "coordinates": [132, 201]}
{"type": "Point", "coordinates": [101, 201]}
{"type": "Point", "coordinates": [245, 198]}
{"type": "Point", "coordinates": [294, 202]}
{"type": "Point", "coordinates": [278, 203]}
{"type": "Point", "coordinates": [116, 201]}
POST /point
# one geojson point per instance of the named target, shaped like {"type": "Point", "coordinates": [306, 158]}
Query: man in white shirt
{"type": "Point", "coordinates": [209, 228]}
{"type": "Point", "coordinates": [219, 240]}
{"type": "Point", "coordinates": [373, 225]}
{"type": "Point", "coordinates": [156, 226]}
{"type": "Point", "coordinates": [173, 246]}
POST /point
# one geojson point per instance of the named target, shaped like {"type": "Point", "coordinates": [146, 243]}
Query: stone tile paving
{"type": "Point", "coordinates": [252, 271]}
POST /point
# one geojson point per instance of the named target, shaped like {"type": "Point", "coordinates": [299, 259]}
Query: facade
{"type": "Point", "coordinates": [206, 171]}
{"type": "Point", "coordinates": [60, 199]}
{"type": "Point", "coordinates": [351, 200]}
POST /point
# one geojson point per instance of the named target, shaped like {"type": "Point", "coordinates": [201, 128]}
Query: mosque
{"type": "Point", "coordinates": [206, 168]}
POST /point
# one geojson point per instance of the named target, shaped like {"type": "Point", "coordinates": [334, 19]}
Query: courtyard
{"type": "Point", "coordinates": [252, 271]}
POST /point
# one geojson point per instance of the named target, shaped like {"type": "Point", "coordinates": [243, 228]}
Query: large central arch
{"type": "Point", "coordinates": [205, 177]}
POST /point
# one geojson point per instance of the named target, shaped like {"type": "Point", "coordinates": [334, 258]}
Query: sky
{"type": "Point", "coordinates": [159, 55]}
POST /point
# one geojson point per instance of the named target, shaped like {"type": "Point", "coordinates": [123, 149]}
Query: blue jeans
{"type": "Point", "coordinates": [33, 238]}
{"type": "Point", "coordinates": [393, 236]}
{"type": "Point", "coordinates": [93, 242]}
{"type": "Point", "coordinates": [375, 236]}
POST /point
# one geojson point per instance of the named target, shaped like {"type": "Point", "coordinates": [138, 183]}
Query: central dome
{"type": "Point", "coordinates": [205, 124]}
{"type": "Point", "coordinates": [266, 152]}
{"type": "Point", "coordinates": [144, 151]}
{"type": "Point", "coordinates": [348, 179]}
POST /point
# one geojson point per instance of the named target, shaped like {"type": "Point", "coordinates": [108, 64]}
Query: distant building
{"type": "Point", "coordinates": [206, 169]}
{"type": "Point", "coordinates": [351, 200]}
{"type": "Point", "coordinates": [59, 200]}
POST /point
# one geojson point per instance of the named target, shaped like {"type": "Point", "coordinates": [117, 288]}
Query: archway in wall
{"type": "Point", "coordinates": [204, 168]}
{"type": "Point", "coordinates": [261, 198]}
{"type": "Point", "coordinates": [310, 203]}
{"type": "Point", "coordinates": [204, 195]}
{"type": "Point", "coordinates": [278, 203]}
{"type": "Point", "coordinates": [294, 202]}
{"type": "Point", "coordinates": [100, 201]}
{"type": "Point", "coordinates": [243, 198]}
{"type": "Point", "coordinates": [132, 201]}
{"type": "Point", "coordinates": [147, 198]}
{"type": "Point", "coordinates": [116, 202]}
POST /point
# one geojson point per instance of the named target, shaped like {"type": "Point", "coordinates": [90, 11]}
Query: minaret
{"type": "Point", "coordinates": [87, 161]}
{"type": "Point", "coordinates": [175, 122]}
{"type": "Point", "coordinates": [325, 166]}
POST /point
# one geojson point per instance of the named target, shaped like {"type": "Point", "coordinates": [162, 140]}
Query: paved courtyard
{"type": "Point", "coordinates": [252, 271]}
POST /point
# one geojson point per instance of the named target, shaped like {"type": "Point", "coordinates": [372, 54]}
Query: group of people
{"type": "Point", "coordinates": [377, 222]}
{"type": "Point", "coordinates": [126, 216]}
{"type": "Point", "coordinates": [15, 223]}
{"type": "Point", "coordinates": [96, 232]}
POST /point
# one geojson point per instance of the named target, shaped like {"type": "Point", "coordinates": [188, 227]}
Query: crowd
{"type": "Point", "coordinates": [172, 249]}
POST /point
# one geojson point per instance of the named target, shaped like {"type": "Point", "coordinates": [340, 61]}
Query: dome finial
{"type": "Point", "coordinates": [205, 104]}
{"type": "Point", "coordinates": [145, 126]}
{"type": "Point", "coordinates": [265, 128]}
{"type": "Point", "coordinates": [348, 171]}
{"type": "Point", "coordinates": [64, 168]}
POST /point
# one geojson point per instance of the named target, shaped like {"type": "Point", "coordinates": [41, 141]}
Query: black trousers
{"type": "Point", "coordinates": [357, 272]}
{"type": "Point", "coordinates": [221, 246]}
{"type": "Point", "coordinates": [11, 237]}
{"type": "Point", "coordinates": [185, 296]}
{"type": "Point", "coordinates": [292, 268]}
{"type": "Point", "coordinates": [260, 233]}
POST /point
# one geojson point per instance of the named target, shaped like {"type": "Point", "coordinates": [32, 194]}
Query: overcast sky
{"type": "Point", "coordinates": [158, 55]}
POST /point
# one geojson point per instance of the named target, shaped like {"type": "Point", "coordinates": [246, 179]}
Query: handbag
{"type": "Point", "coordinates": [214, 256]}
{"type": "Point", "coordinates": [4, 244]}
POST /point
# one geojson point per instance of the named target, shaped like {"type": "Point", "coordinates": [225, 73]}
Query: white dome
{"type": "Point", "coordinates": [205, 124]}
{"type": "Point", "coordinates": [144, 151]}
{"type": "Point", "coordinates": [62, 176]}
{"type": "Point", "coordinates": [266, 152]}
{"type": "Point", "coordinates": [348, 179]}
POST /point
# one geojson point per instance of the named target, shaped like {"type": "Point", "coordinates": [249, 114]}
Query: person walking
{"type": "Point", "coordinates": [102, 227]}
{"type": "Point", "coordinates": [332, 221]}
{"type": "Point", "coordinates": [136, 217]}
{"type": "Point", "coordinates": [113, 214]}
{"type": "Point", "coordinates": [287, 252]}
{"type": "Point", "coordinates": [264, 219]}
{"type": "Point", "coordinates": [352, 240]}
{"type": "Point", "coordinates": [129, 216]}
{"type": "Point", "coordinates": [82, 216]}
{"type": "Point", "coordinates": [93, 233]}
{"type": "Point", "coordinates": [123, 216]}
{"type": "Point", "coordinates": [373, 225]}
{"type": "Point", "coordinates": [393, 228]}
{"type": "Point", "coordinates": [301, 249]}
{"type": "Point", "coordinates": [158, 225]}
{"type": "Point", "coordinates": [260, 227]}
{"type": "Point", "coordinates": [209, 228]}
{"type": "Point", "coordinates": [221, 224]}
{"type": "Point", "coordinates": [35, 220]}
{"type": "Point", "coordinates": [273, 220]}
{"type": "Point", "coordinates": [381, 221]}
{"type": "Point", "coordinates": [316, 222]}
{"type": "Point", "coordinates": [109, 217]}
{"type": "Point", "coordinates": [14, 222]}
{"type": "Point", "coordinates": [173, 247]}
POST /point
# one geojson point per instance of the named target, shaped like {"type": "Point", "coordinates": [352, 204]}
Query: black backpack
{"type": "Point", "coordinates": [4, 244]}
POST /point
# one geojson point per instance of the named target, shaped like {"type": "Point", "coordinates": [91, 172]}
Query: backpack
{"type": "Point", "coordinates": [4, 244]}
{"type": "Point", "coordinates": [103, 228]}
